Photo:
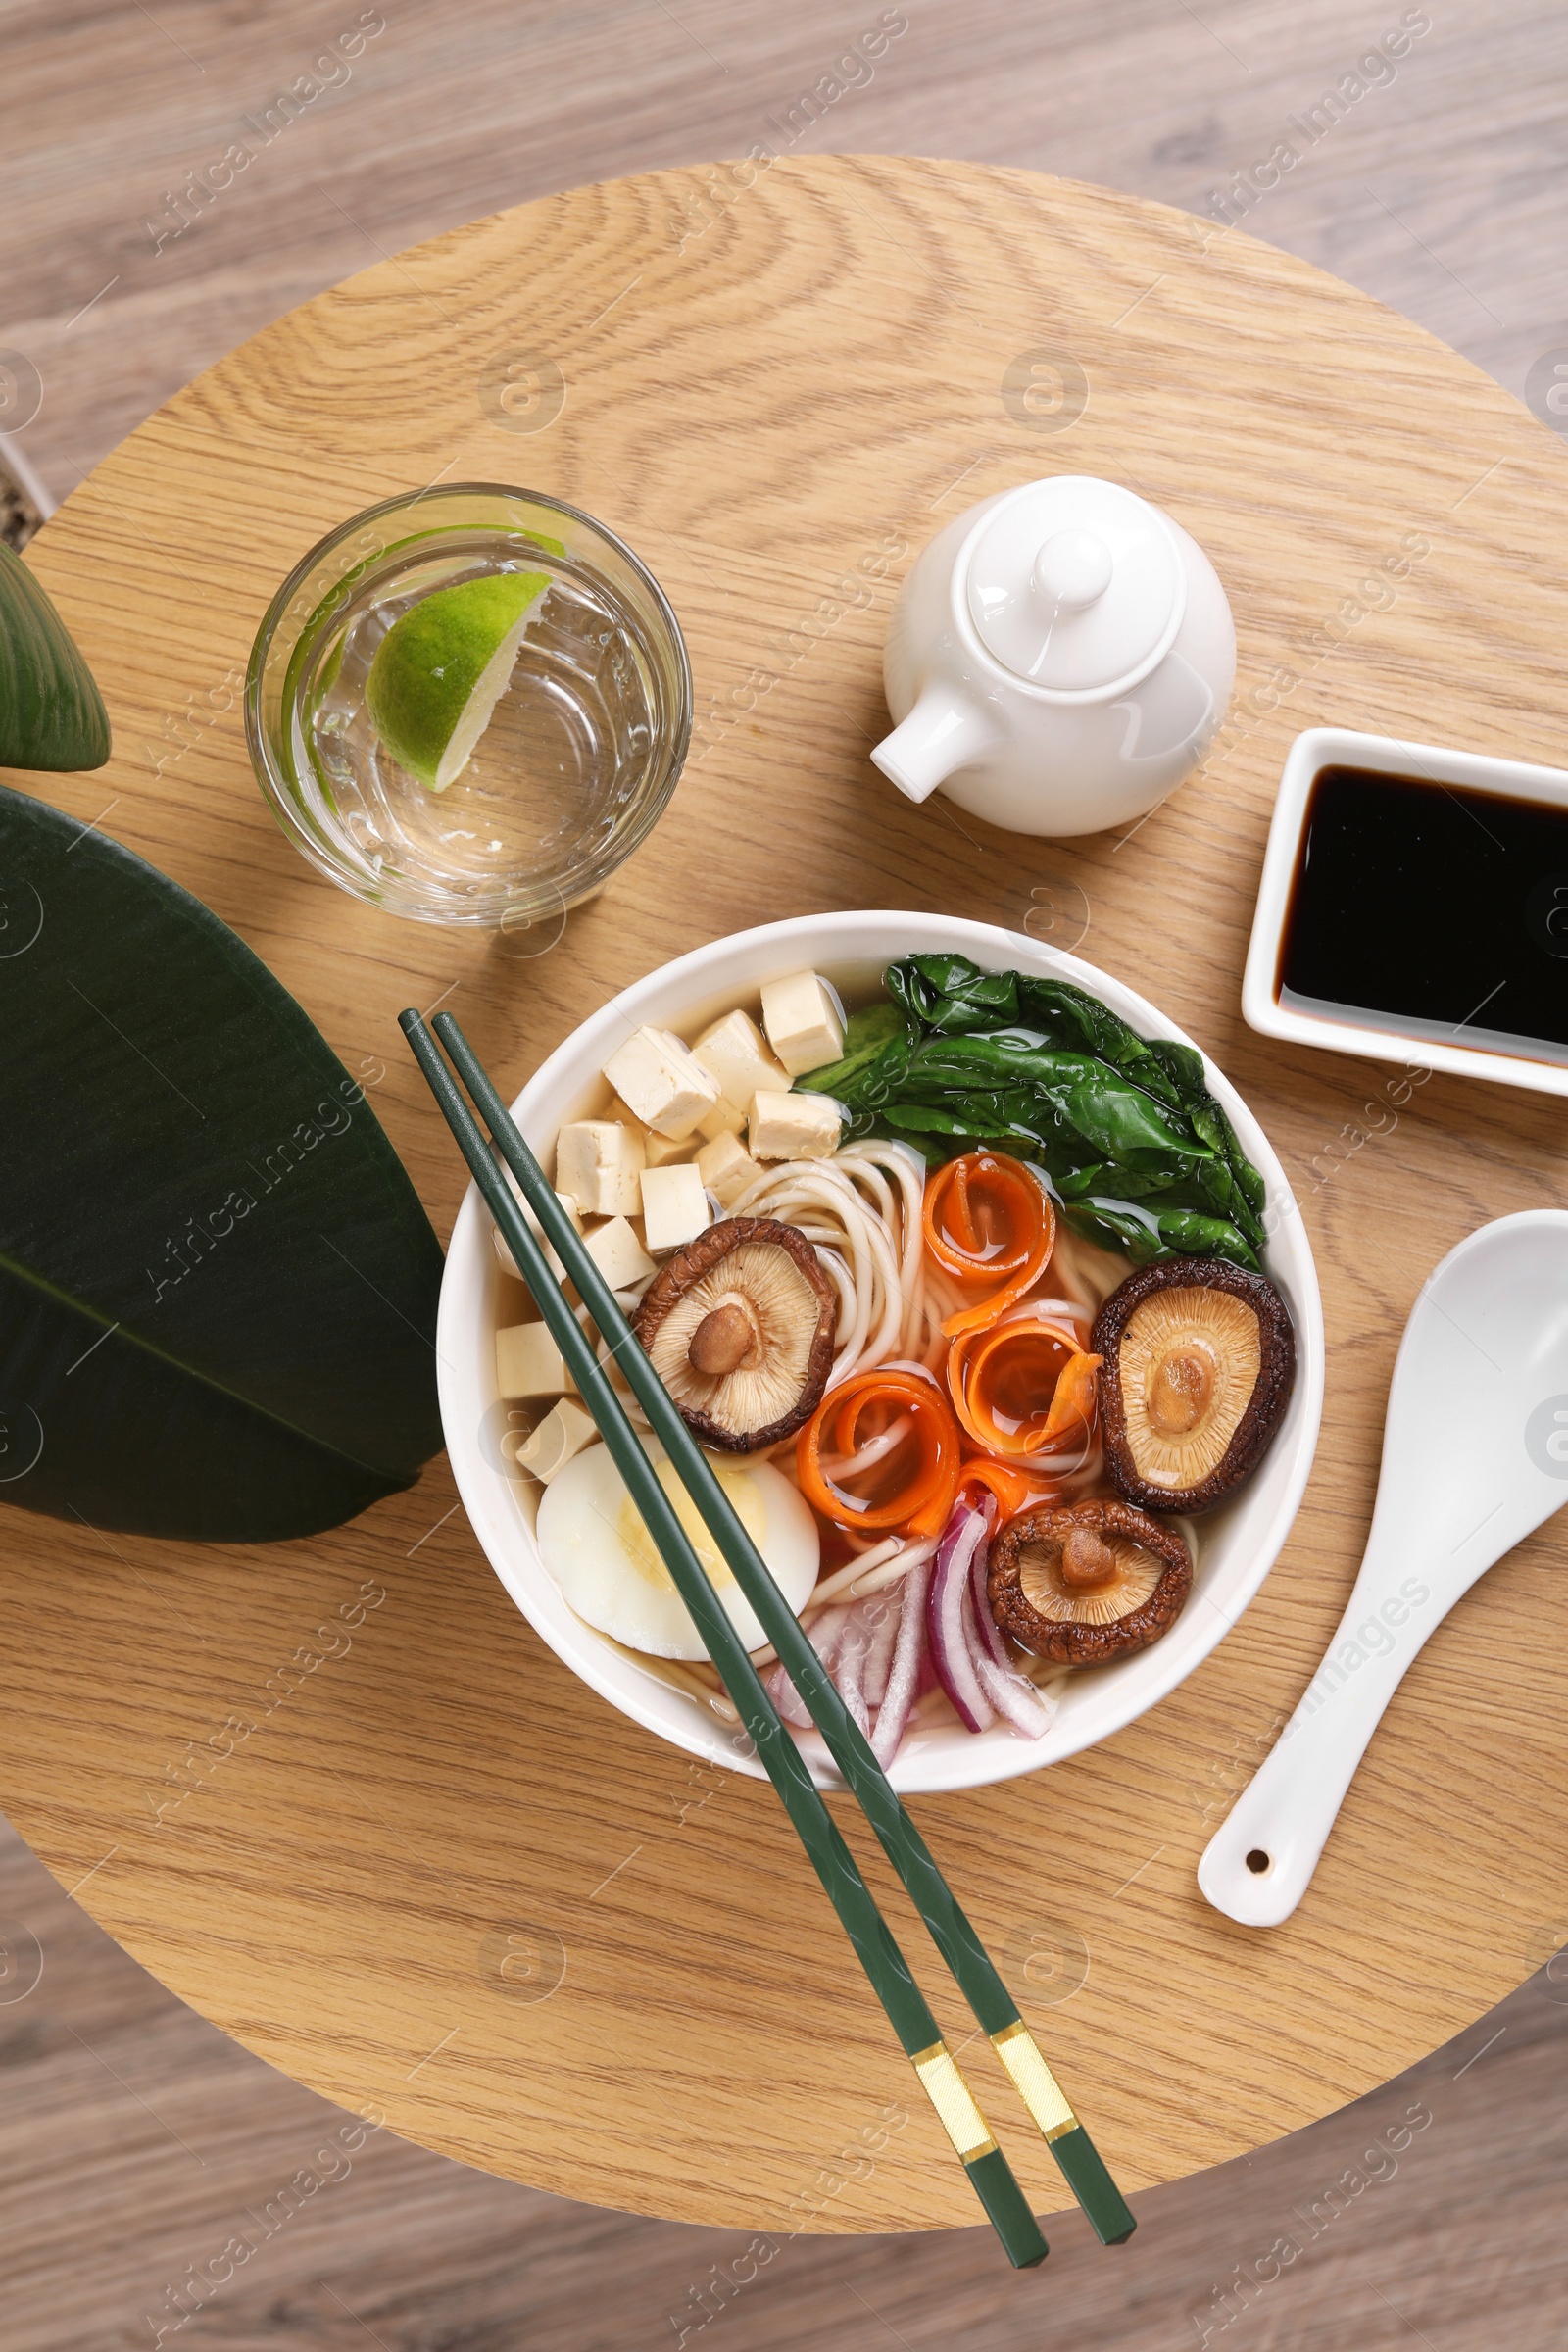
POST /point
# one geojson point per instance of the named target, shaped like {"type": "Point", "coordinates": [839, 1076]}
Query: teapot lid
{"type": "Point", "coordinates": [1076, 585]}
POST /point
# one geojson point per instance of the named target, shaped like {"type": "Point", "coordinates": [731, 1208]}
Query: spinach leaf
{"type": "Point", "coordinates": [949, 993]}
{"type": "Point", "coordinates": [1211, 1122]}
{"type": "Point", "coordinates": [1124, 1127]}
{"type": "Point", "coordinates": [1183, 1066]}
{"type": "Point", "coordinates": [1248, 1182]}
{"type": "Point", "coordinates": [1102, 1031]}
{"type": "Point", "coordinates": [865, 1034]}
{"type": "Point", "coordinates": [1147, 1235]}
{"type": "Point", "coordinates": [970, 1123]}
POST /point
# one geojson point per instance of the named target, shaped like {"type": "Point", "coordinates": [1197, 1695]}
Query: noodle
{"type": "Point", "coordinates": [859, 1577]}
{"type": "Point", "coordinates": [876, 1450]}
{"type": "Point", "coordinates": [869, 1246]}
{"type": "Point", "coordinates": [1084, 1268]}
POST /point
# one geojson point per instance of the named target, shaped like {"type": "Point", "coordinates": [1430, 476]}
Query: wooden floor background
{"type": "Point", "coordinates": [134, 2137]}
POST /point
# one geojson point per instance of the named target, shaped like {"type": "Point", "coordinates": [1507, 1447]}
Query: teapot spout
{"type": "Point", "coordinates": [942, 734]}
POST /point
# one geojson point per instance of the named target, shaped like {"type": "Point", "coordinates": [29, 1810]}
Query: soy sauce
{"type": "Point", "coordinates": [1432, 906]}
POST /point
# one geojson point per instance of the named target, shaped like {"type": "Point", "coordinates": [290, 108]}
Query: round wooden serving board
{"type": "Point", "coordinates": [778, 381]}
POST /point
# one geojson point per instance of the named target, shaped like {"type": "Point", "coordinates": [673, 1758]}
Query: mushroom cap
{"type": "Point", "coordinates": [1087, 1584]}
{"type": "Point", "coordinates": [749, 1300]}
{"type": "Point", "coordinates": [1200, 1361]}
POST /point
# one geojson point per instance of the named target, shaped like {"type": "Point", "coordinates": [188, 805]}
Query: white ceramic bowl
{"type": "Point", "coordinates": [1238, 1545]}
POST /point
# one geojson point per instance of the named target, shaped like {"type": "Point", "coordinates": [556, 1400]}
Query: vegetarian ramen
{"type": "Point", "coordinates": [960, 1291]}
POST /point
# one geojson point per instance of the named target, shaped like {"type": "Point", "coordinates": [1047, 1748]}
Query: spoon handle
{"type": "Point", "coordinates": [1259, 1863]}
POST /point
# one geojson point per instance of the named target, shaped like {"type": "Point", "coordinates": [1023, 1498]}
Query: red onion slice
{"type": "Point", "coordinates": [954, 1644]}
{"type": "Point", "coordinates": [848, 1669]}
{"type": "Point", "coordinates": [788, 1701]}
{"type": "Point", "coordinates": [990, 1644]}
{"type": "Point", "coordinates": [975, 1647]}
{"type": "Point", "coordinates": [881, 1611]}
{"type": "Point", "coordinates": [827, 1634]}
{"type": "Point", "coordinates": [825, 1637]}
{"type": "Point", "coordinates": [909, 1655]}
{"type": "Point", "coordinates": [1015, 1698]}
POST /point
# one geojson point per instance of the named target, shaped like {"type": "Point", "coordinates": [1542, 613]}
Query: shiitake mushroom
{"type": "Point", "coordinates": [1198, 1361]}
{"type": "Point", "coordinates": [739, 1326]}
{"type": "Point", "coordinates": [1087, 1584]}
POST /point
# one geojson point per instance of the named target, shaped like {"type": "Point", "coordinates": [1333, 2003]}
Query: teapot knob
{"type": "Point", "coordinates": [1073, 569]}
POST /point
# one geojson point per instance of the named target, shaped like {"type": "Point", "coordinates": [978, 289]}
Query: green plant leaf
{"type": "Point", "coordinates": [217, 1288]}
{"type": "Point", "coordinates": [51, 713]}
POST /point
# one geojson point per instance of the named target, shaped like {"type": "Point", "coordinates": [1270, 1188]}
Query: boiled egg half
{"type": "Point", "coordinates": [593, 1540]}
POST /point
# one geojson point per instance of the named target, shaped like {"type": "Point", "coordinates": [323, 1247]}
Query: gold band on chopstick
{"type": "Point", "coordinates": [1034, 2081]}
{"type": "Point", "coordinates": [950, 2094]}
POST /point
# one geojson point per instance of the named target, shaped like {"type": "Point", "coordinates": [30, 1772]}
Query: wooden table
{"type": "Point", "coordinates": [777, 382]}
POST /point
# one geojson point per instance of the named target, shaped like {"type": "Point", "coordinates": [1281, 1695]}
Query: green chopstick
{"type": "Point", "coordinates": [906, 2009]}
{"type": "Point", "coordinates": [1081, 2163]}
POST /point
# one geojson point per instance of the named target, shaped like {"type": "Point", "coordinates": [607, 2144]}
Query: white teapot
{"type": "Point", "coordinates": [1060, 656]}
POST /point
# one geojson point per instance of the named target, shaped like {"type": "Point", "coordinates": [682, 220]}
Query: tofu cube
{"type": "Point", "coordinates": [661, 1082]}
{"type": "Point", "coordinates": [558, 1439]}
{"type": "Point", "coordinates": [598, 1162]}
{"type": "Point", "coordinates": [663, 1151]}
{"type": "Point", "coordinates": [722, 1119]}
{"type": "Point", "coordinates": [532, 1222]}
{"type": "Point", "coordinates": [793, 1126]}
{"type": "Point", "coordinates": [735, 1052]}
{"type": "Point", "coordinates": [618, 1254]}
{"type": "Point", "coordinates": [528, 1363]}
{"type": "Point", "coordinates": [726, 1168]}
{"type": "Point", "coordinates": [801, 1023]}
{"type": "Point", "coordinates": [674, 1206]}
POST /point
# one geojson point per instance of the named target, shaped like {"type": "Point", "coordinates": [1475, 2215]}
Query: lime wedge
{"type": "Point", "coordinates": [442, 667]}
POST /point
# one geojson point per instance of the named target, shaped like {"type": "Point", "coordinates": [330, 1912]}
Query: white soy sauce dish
{"type": "Point", "coordinates": [1059, 658]}
{"type": "Point", "coordinates": [1491, 1329]}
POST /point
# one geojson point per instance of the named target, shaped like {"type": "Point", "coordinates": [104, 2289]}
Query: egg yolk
{"type": "Point", "coordinates": [638, 1544]}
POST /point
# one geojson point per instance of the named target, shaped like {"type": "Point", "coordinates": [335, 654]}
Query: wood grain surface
{"type": "Point", "coordinates": [1439, 188]}
{"type": "Point", "coordinates": [136, 2143]}
{"type": "Point", "coordinates": [759, 407]}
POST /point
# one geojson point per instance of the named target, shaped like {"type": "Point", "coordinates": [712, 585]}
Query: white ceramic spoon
{"type": "Point", "coordinates": [1475, 1456]}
